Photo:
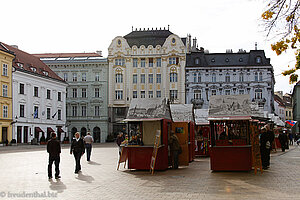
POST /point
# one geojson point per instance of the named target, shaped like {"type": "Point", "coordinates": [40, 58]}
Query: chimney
{"type": "Point", "coordinates": [99, 53]}
{"type": "Point", "coordinates": [15, 46]}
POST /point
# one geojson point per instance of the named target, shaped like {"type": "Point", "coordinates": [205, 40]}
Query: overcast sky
{"type": "Point", "coordinates": [56, 26]}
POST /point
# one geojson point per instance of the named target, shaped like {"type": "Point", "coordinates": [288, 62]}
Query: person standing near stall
{"type": "Point", "coordinates": [88, 140]}
{"type": "Point", "coordinates": [175, 149]}
{"type": "Point", "coordinates": [77, 148]}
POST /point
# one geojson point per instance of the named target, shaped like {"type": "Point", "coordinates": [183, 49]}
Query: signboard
{"type": "Point", "coordinates": [123, 157]}
{"type": "Point", "coordinates": [155, 149]}
{"type": "Point", "coordinates": [256, 157]}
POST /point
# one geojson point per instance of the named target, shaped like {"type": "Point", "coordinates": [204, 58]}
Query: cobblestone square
{"type": "Point", "coordinates": [24, 172]}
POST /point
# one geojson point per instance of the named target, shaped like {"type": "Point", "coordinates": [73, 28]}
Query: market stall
{"type": "Point", "coordinates": [202, 130]}
{"type": "Point", "coordinates": [184, 127]}
{"type": "Point", "coordinates": [144, 119]}
{"type": "Point", "coordinates": [230, 119]}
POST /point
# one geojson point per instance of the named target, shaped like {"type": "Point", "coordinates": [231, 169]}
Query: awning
{"type": "Point", "coordinates": [38, 129]}
{"type": "Point", "coordinates": [221, 118]}
{"type": "Point", "coordinates": [59, 129]}
{"type": "Point", "coordinates": [49, 129]}
{"type": "Point", "coordinates": [141, 119]}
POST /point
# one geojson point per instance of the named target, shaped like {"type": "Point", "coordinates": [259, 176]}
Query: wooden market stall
{"type": "Point", "coordinates": [144, 119]}
{"type": "Point", "coordinates": [184, 127]}
{"type": "Point", "coordinates": [202, 129]}
{"type": "Point", "coordinates": [230, 122]}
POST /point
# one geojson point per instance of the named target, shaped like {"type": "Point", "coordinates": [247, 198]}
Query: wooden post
{"type": "Point", "coordinates": [155, 149]}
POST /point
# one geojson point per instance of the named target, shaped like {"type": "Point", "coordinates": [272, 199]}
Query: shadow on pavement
{"type": "Point", "coordinates": [57, 185]}
{"type": "Point", "coordinates": [85, 178]}
{"type": "Point", "coordinates": [93, 163]}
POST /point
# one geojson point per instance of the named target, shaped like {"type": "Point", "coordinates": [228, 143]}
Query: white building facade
{"type": "Point", "coordinates": [144, 64]}
{"type": "Point", "coordinates": [39, 100]}
{"type": "Point", "coordinates": [230, 73]}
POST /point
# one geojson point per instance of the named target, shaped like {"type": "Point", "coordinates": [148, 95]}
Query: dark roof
{"type": "Point", "coordinates": [279, 100]}
{"type": "Point", "coordinates": [28, 61]}
{"type": "Point", "coordinates": [147, 37]}
{"type": "Point", "coordinates": [4, 49]}
{"type": "Point", "coordinates": [227, 59]}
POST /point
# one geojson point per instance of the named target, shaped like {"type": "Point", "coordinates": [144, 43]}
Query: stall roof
{"type": "Point", "coordinates": [182, 112]}
{"type": "Point", "coordinates": [233, 107]}
{"type": "Point", "coordinates": [201, 116]}
{"type": "Point", "coordinates": [155, 108]}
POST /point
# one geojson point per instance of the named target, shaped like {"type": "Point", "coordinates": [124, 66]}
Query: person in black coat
{"type": "Point", "coordinates": [77, 148]}
{"type": "Point", "coordinates": [266, 140]}
{"type": "Point", "coordinates": [54, 150]}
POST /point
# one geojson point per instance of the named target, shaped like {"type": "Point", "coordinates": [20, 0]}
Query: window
{"type": "Point", "coordinates": [74, 77]}
{"type": "Point", "coordinates": [22, 88]}
{"type": "Point", "coordinates": [83, 92]}
{"type": "Point", "coordinates": [33, 69]}
{"type": "Point", "coordinates": [135, 62]}
{"type": "Point", "coordinates": [74, 93]}
{"type": "Point", "coordinates": [45, 73]}
{"type": "Point", "coordinates": [241, 91]}
{"type": "Point", "coordinates": [97, 110]}
{"type": "Point", "coordinates": [22, 110]}
{"type": "Point", "coordinates": [213, 92]}
{"type": "Point", "coordinates": [120, 61]}
{"type": "Point", "coordinates": [83, 77]}
{"type": "Point", "coordinates": [173, 94]}
{"type": "Point", "coordinates": [48, 113]}
{"type": "Point", "coordinates": [4, 90]}
{"type": "Point", "coordinates": [97, 77]}
{"type": "Point", "coordinates": [5, 111]}
{"type": "Point", "coordinates": [150, 62]}
{"type": "Point", "coordinates": [290, 113]}
{"type": "Point", "coordinates": [195, 77]}
{"type": "Point", "coordinates": [74, 111]}
{"type": "Point", "coordinates": [199, 78]}
{"type": "Point", "coordinates": [65, 76]}
{"type": "Point", "coordinates": [197, 61]}
{"type": "Point", "coordinates": [83, 111]}
{"type": "Point", "coordinates": [150, 94]}
{"type": "Point", "coordinates": [227, 92]}
{"type": "Point", "coordinates": [143, 62]}
{"type": "Point", "coordinates": [36, 112]}
{"type": "Point", "coordinates": [59, 96]}
{"type": "Point", "coordinates": [119, 78]}
{"type": "Point", "coordinates": [120, 111]}
{"type": "Point", "coordinates": [158, 78]}
{"type": "Point", "coordinates": [173, 61]}
{"type": "Point", "coordinates": [241, 77]}
{"type": "Point", "coordinates": [158, 62]}
{"type": "Point", "coordinates": [227, 78]}
{"type": "Point", "coordinates": [173, 77]}
{"type": "Point", "coordinates": [256, 76]}
{"type": "Point", "coordinates": [5, 70]}
{"type": "Point", "coordinates": [158, 94]}
{"type": "Point", "coordinates": [143, 94]}
{"type": "Point", "coordinates": [260, 76]}
{"type": "Point", "coordinates": [150, 78]}
{"type": "Point", "coordinates": [134, 78]}
{"type": "Point", "coordinates": [97, 92]}
{"type": "Point", "coordinates": [258, 94]}
{"type": "Point", "coordinates": [258, 59]}
{"type": "Point", "coordinates": [59, 114]}
{"type": "Point", "coordinates": [134, 95]}
{"type": "Point", "coordinates": [214, 78]}
{"type": "Point", "coordinates": [197, 94]}
{"type": "Point", "coordinates": [36, 91]}
{"type": "Point", "coordinates": [119, 94]}
{"type": "Point", "coordinates": [142, 78]}
{"type": "Point", "coordinates": [48, 94]}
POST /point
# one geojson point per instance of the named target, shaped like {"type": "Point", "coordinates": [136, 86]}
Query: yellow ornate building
{"type": "Point", "coordinates": [6, 58]}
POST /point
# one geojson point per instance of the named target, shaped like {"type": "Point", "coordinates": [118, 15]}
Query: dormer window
{"type": "Point", "coordinates": [20, 65]}
{"type": "Point", "coordinates": [45, 73]}
{"type": "Point", "coordinates": [33, 69]}
{"type": "Point", "coordinates": [258, 59]}
{"type": "Point", "coordinates": [197, 61]}
{"type": "Point", "coordinates": [227, 60]}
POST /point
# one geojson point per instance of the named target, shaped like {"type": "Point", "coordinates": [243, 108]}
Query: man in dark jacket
{"type": "Point", "coordinates": [54, 150]}
{"type": "Point", "coordinates": [175, 149]}
{"type": "Point", "coordinates": [266, 140]}
{"type": "Point", "coordinates": [77, 148]}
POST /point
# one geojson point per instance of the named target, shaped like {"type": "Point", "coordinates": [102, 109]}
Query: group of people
{"type": "Point", "coordinates": [78, 147]}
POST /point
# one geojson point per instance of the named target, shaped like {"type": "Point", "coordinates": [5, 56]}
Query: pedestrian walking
{"type": "Point", "coordinates": [175, 149]}
{"type": "Point", "coordinates": [77, 148]}
{"type": "Point", "coordinates": [291, 138]}
{"type": "Point", "coordinates": [266, 140]}
{"type": "Point", "coordinates": [54, 150]}
{"type": "Point", "coordinates": [88, 140]}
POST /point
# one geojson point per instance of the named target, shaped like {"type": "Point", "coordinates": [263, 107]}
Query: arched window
{"type": "Point", "coordinates": [258, 59]}
{"type": "Point", "coordinates": [227, 78]}
{"type": "Point", "coordinates": [241, 77]}
{"type": "Point", "coordinates": [255, 76]}
{"type": "Point", "coordinates": [119, 78]}
{"type": "Point", "coordinates": [173, 77]}
{"type": "Point", "coordinates": [197, 61]}
{"type": "Point", "coordinates": [214, 78]}
{"type": "Point", "coordinates": [83, 131]}
{"type": "Point", "coordinates": [195, 77]}
{"type": "Point", "coordinates": [258, 94]}
{"type": "Point", "coordinates": [260, 76]}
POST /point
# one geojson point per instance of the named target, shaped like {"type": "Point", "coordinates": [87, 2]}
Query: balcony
{"type": "Point", "coordinates": [198, 103]}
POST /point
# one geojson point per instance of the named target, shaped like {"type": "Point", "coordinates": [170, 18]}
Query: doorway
{"type": "Point", "coordinates": [97, 134]}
